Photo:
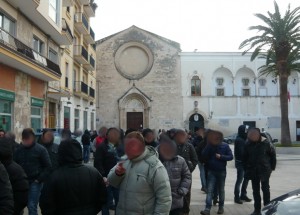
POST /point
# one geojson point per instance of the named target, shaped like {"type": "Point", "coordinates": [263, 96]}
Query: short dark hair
{"type": "Point", "coordinates": [147, 131]}
{"type": "Point", "coordinates": [112, 129]}
{"type": "Point", "coordinates": [27, 133]}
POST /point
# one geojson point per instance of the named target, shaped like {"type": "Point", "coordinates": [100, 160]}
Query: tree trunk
{"type": "Point", "coordinates": [284, 104]}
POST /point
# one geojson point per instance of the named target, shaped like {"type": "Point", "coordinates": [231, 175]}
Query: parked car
{"type": "Point", "coordinates": [230, 139]}
{"type": "Point", "coordinates": [287, 204]}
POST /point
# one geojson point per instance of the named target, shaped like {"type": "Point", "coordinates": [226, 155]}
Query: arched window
{"type": "Point", "coordinates": [196, 86]}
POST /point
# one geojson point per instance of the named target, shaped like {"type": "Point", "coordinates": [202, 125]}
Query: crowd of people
{"type": "Point", "coordinates": [134, 172]}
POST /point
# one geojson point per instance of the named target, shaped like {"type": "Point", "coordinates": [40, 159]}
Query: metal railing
{"type": "Point", "coordinates": [80, 17]}
{"type": "Point", "coordinates": [13, 43]}
{"type": "Point", "coordinates": [80, 50]}
{"type": "Point", "coordinates": [81, 87]}
{"type": "Point", "coordinates": [92, 92]}
{"type": "Point", "coordinates": [66, 28]}
{"type": "Point", "coordinates": [92, 33]}
{"type": "Point", "coordinates": [92, 61]}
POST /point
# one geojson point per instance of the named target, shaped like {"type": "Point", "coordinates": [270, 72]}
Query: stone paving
{"type": "Point", "coordinates": [284, 179]}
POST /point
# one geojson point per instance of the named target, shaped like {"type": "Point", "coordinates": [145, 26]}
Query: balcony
{"type": "Point", "coordinates": [94, 46]}
{"type": "Point", "coordinates": [56, 91]}
{"type": "Point", "coordinates": [90, 38]}
{"type": "Point", "coordinates": [90, 9]}
{"type": "Point", "coordinates": [35, 13]}
{"type": "Point", "coordinates": [17, 55]}
{"type": "Point", "coordinates": [92, 92]}
{"type": "Point", "coordinates": [81, 55]}
{"type": "Point", "coordinates": [90, 66]}
{"type": "Point", "coordinates": [67, 3]}
{"type": "Point", "coordinates": [81, 23]}
{"type": "Point", "coordinates": [66, 31]}
{"type": "Point", "coordinates": [81, 89]}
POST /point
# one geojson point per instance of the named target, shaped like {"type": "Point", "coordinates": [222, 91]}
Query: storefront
{"type": "Point", "coordinates": [37, 113]}
{"type": "Point", "coordinates": [7, 99]}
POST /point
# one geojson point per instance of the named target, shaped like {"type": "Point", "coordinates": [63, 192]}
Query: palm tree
{"type": "Point", "coordinates": [278, 42]}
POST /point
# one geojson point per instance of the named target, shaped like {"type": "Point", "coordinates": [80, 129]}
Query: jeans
{"type": "Point", "coordinates": [34, 197]}
{"type": "Point", "coordinates": [215, 178]}
{"type": "Point", "coordinates": [86, 153]}
{"type": "Point", "coordinates": [112, 194]}
{"type": "Point", "coordinates": [202, 174]}
{"type": "Point", "coordinates": [240, 180]}
{"type": "Point", "coordinates": [265, 187]}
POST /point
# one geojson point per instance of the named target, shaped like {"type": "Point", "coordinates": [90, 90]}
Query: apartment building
{"type": "Point", "coordinates": [38, 60]}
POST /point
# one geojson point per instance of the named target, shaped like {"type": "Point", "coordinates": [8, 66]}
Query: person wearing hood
{"type": "Point", "coordinates": [47, 141]}
{"type": "Point", "coordinates": [6, 194]}
{"type": "Point", "coordinates": [142, 180]}
{"type": "Point", "coordinates": [149, 137]}
{"type": "Point", "coordinates": [178, 171]}
{"type": "Point", "coordinates": [259, 161]}
{"type": "Point", "coordinates": [86, 143]}
{"type": "Point", "coordinates": [240, 193]}
{"type": "Point", "coordinates": [73, 188]}
{"type": "Point", "coordinates": [17, 176]}
{"type": "Point", "coordinates": [217, 153]}
{"type": "Point", "coordinates": [35, 161]}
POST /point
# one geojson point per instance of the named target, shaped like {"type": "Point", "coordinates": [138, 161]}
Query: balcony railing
{"type": "Point", "coordinates": [81, 22]}
{"type": "Point", "coordinates": [81, 87]}
{"type": "Point", "coordinates": [92, 92]}
{"type": "Point", "coordinates": [92, 33]}
{"type": "Point", "coordinates": [66, 28]}
{"type": "Point", "coordinates": [25, 51]}
{"type": "Point", "coordinates": [81, 54]}
{"type": "Point", "coordinates": [94, 46]}
{"type": "Point", "coordinates": [92, 61]}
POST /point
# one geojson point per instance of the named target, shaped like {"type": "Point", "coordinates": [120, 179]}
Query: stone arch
{"type": "Point", "coordinates": [134, 105]}
{"type": "Point", "coordinates": [245, 73]}
{"type": "Point", "coordinates": [196, 120]}
{"type": "Point", "coordinates": [227, 76]}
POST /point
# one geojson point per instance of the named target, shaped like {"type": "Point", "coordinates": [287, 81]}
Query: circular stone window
{"type": "Point", "coordinates": [133, 60]}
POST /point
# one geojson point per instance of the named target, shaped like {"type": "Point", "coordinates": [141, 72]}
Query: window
{"type": "Point", "coordinates": [85, 123]}
{"type": "Point", "coordinates": [7, 24]}
{"type": "Point", "coordinates": [220, 92]}
{"type": "Point", "coordinates": [92, 121]}
{"type": "Point", "coordinates": [5, 115]}
{"type": "Point", "coordinates": [220, 81]}
{"type": "Point", "coordinates": [262, 82]}
{"type": "Point", "coordinates": [67, 116]}
{"type": "Point", "coordinates": [196, 86]}
{"type": "Point", "coordinates": [36, 118]}
{"type": "Point", "coordinates": [67, 75]}
{"type": "Point", "coordinates": [54, 10]}
{"type": "Point", "coordinates": [246, 92]}
{"type": "Point", "coordinates": [38, 45]}
{"type": "Point", "coordinates": [74, 79]}
{"type": "Point", "coordinates": [53, 55]}
{"type": "Point", "coordinates": [245, 82]}
{"type": "Point", "coordinates": [77, 119]}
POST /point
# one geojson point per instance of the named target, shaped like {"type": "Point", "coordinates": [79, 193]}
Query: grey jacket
{"type": "Point", "coordinates": [144, 188]}
{"type": "Point", "coordinates": [180, 180]}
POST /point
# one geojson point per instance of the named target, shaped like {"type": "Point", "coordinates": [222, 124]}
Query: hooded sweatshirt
{"type": "Point", "coordinates": [74, 188]}
{"type": "Point", "coordinates": [240, 143]}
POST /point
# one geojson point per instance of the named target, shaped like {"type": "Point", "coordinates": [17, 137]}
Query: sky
{"type": "Point", "coordinates": [205, 25]}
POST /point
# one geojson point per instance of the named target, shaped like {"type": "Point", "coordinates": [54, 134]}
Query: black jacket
{"type": "Point", "coordinates": [73, 188]}
{"type": "Point", "coordinates": [199, 149]}
{"type": "Point", "coordinates": [35, 161]}
{"type": "Point", "coordinates": [6, 193]}
{"type": "Point", "coordinates": [52, 149]}
{"type": "Point", "coordinates": [188, 152]}
{"type": "Point", "coordinates": [17, 176]}
{"type": "Point", "coordinates": [259, 160]}
{"type": "Point", "coordinates": [86, 139]}
{"type": "Point", "coordinates": [196, 141]}
{"type": "Point", "coordinates": [105, 158]}
{"type": "Point", "coordinates": [240, 143]}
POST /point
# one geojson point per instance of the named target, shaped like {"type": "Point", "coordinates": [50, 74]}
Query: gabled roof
{"type": "Point", "coordinates": [132, 90]}
{"type": "Point", "coordinates": [170, 42]}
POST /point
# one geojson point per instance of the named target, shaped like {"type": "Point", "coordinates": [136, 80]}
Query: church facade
{"type": "Point", "coordinates": [138, 81]}
{"type": "Point", "coordinates": [144, 80]}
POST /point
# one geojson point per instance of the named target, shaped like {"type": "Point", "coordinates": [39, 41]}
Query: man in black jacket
{"type": "Point", "coordinates": [6, 194]}
{"type": "Point", "coordinates": [149, 137]}
{"type": "Point", "coordinates": [188, 152]}
{"type": "Point", "coordinates": [259, 161]}
{"type": "Point", "coordinates": [239, 148]}
{"type": "Point", "coordinates": [86, 143]}
{"type": "Point", "coordinates": [106, 157]}
{"type": "Point", "coordinates": [17, 176]}
{"type": "Point", "coordinates": [36, 163]}
{"type": "Point", "coordinates": [48, 142]}
{"type": "Point", "coordinates": [73, 188]}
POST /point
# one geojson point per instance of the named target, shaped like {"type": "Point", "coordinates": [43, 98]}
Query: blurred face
{"type": "Point", "coordinates": [214, 138]}
{"type": "Point", "coordinates": [102, 132]}
{"type": "Point", "coordinates": [200, 132]}
{"type": "Point", "coordinates": [167, 151]}
{"type": "Point", "coordinates": [181, 138]}
{"type": "Point", "coordinates": [48, 137]}
{"type": "Point", "coordinates": [149, 138]}
{"type": "Point", "coordinates": [114, 136]}
{"type": "Point", "coordinates": [254, 135]}
{"type": "Point", "coordinates": [2, 134]}
{"type": "Point", "coordinates": [28, 141]}
{"type": "Point", "coordinates": [133, 148]}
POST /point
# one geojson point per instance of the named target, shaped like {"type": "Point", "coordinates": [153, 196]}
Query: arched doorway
{"type": "Point", "coordinates": [196, 121]}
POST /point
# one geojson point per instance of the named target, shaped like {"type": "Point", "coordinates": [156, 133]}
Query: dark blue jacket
{"type": "Point", "coordinates": [213, 163]}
